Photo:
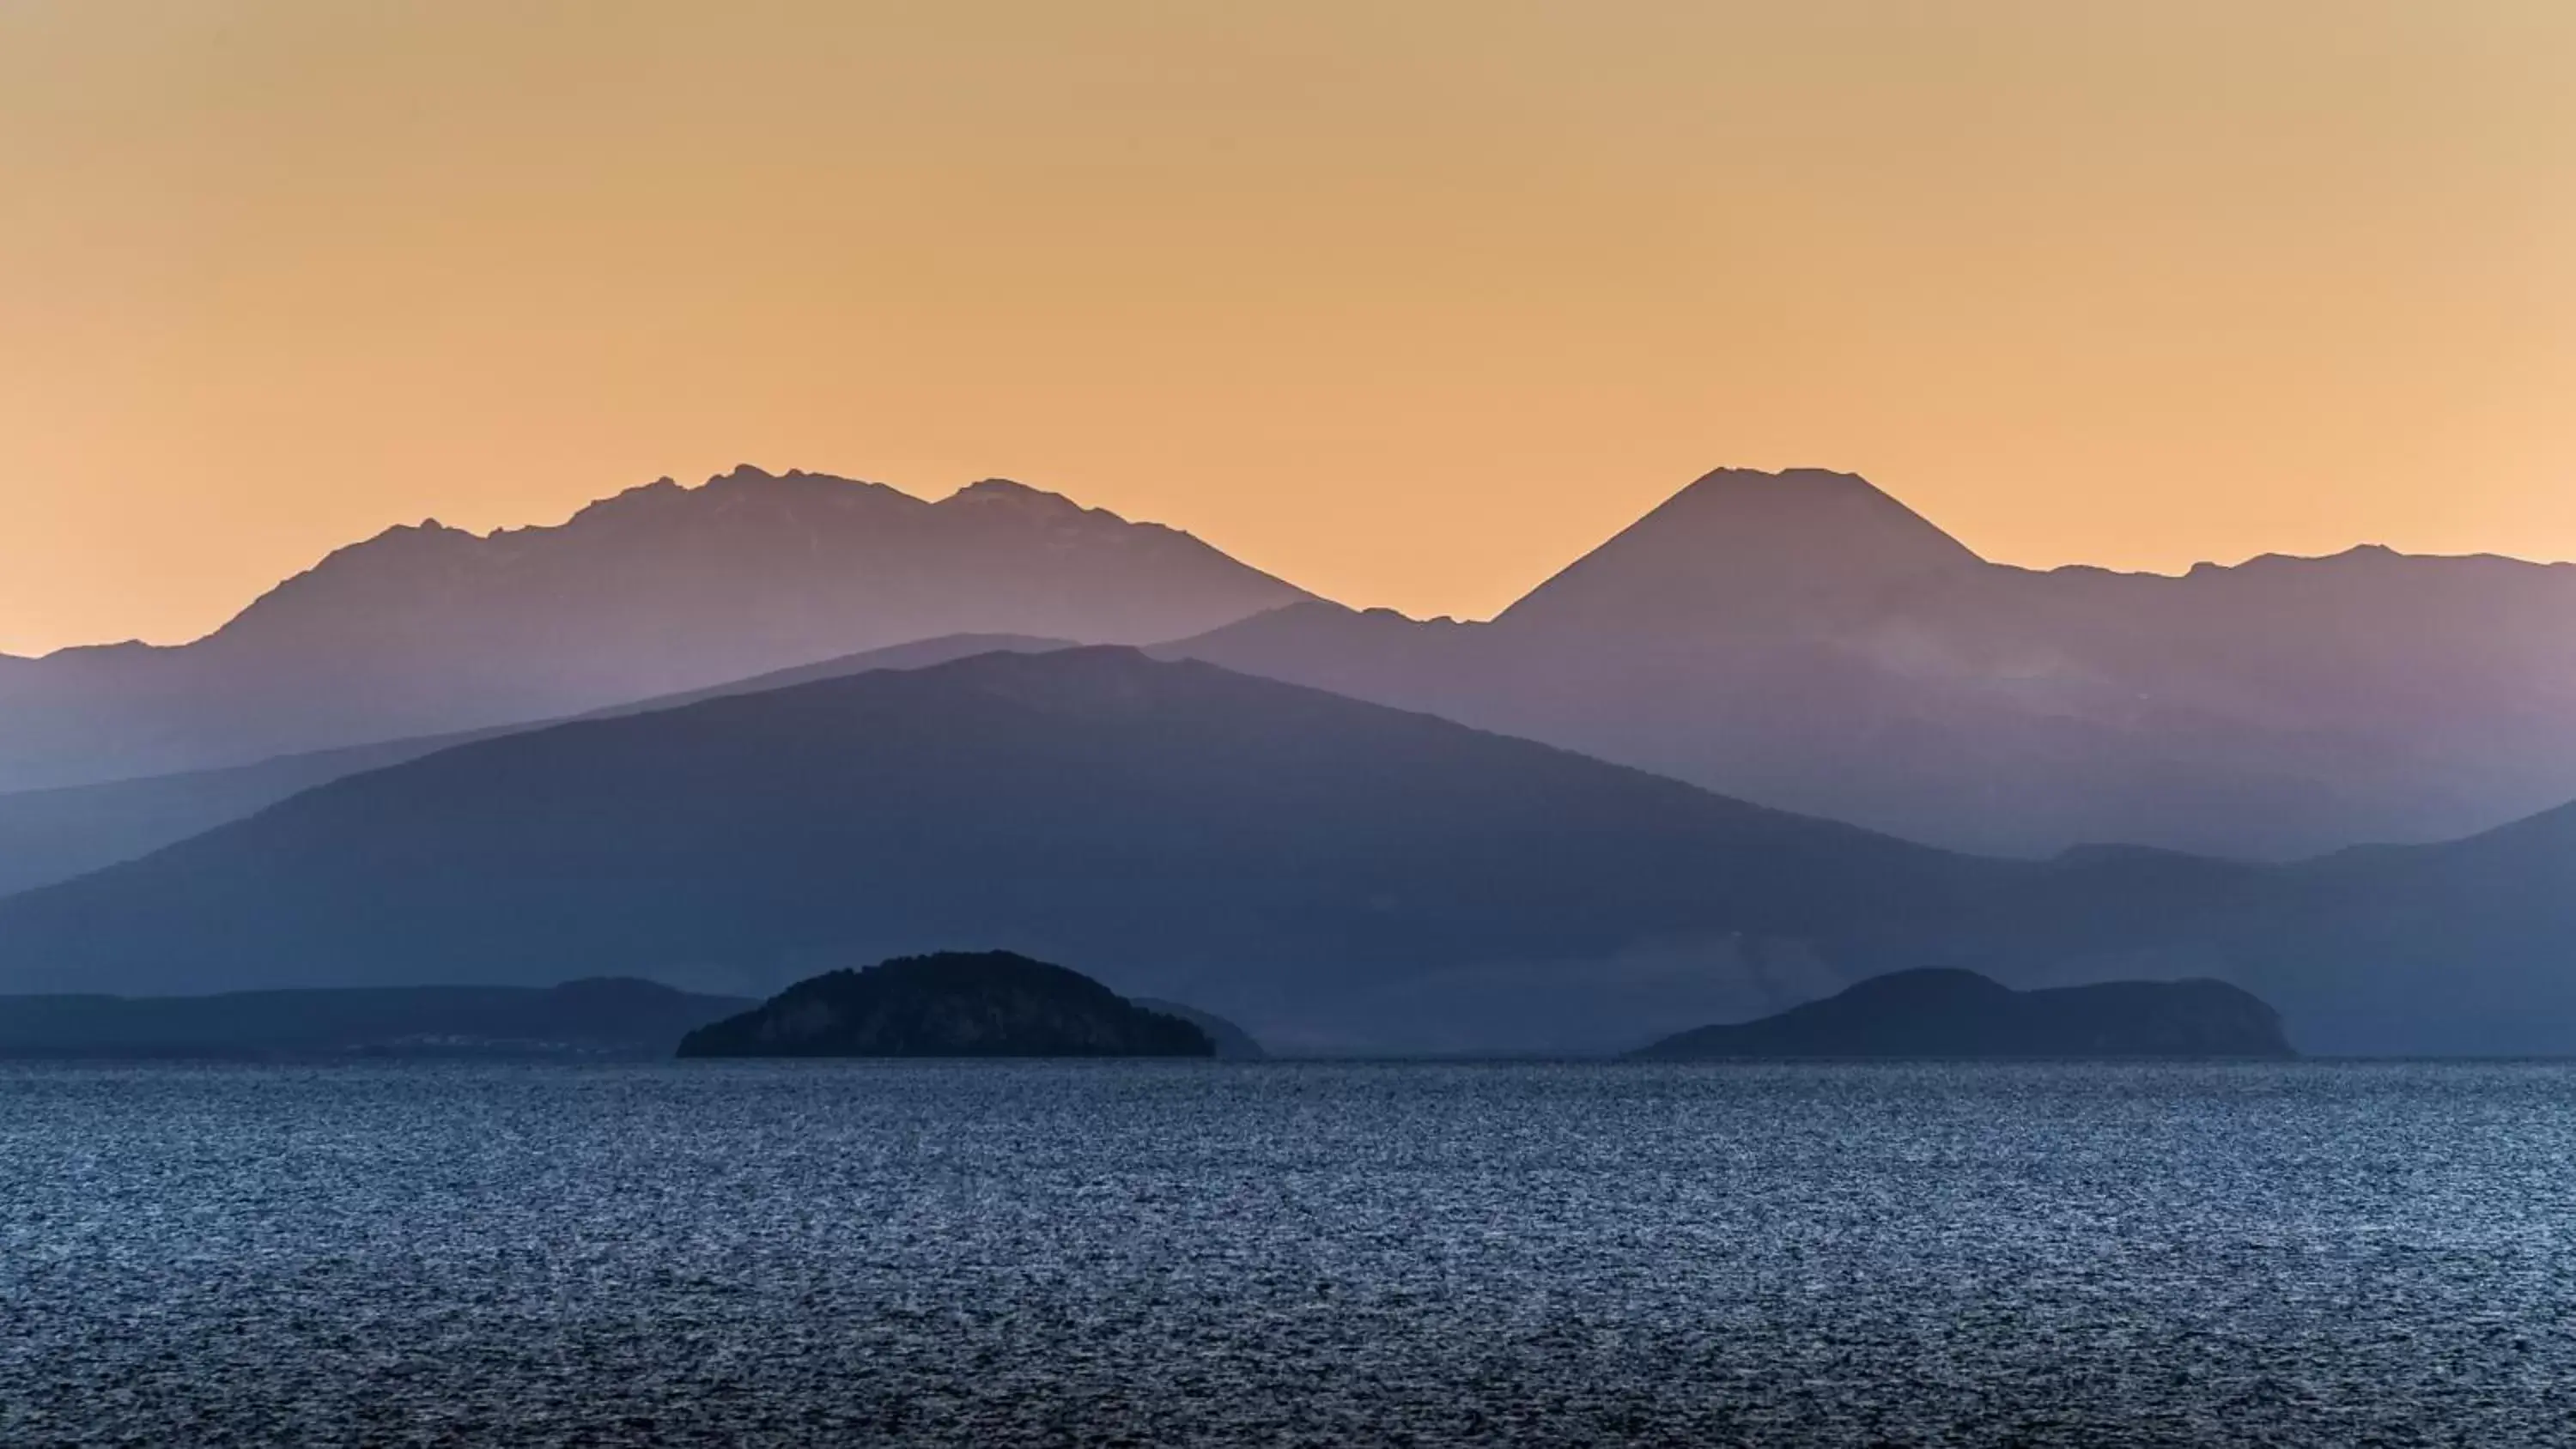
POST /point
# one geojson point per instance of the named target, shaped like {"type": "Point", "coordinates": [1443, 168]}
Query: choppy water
{"type": "Point", "coordinates": [996, 1254]}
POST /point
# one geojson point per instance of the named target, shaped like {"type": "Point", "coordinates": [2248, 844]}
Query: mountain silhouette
{"type": "Point", "coordinates": [1937, 1013]}
{"type": "Point", "coordinates": [1760, 556]}
{"type": "Point", "coordinates": [54, 835]}
{"type": "Point", "coordinates": [1799, 639]}
{"type": "Point", "coordinates": [426, 630]}
{"type": "Point", "coordinates": [1806, 641]}
{"type": "Point", "coordinates": [1330, 873]}
{"type": "Point", "coordinates": [951, 1004]}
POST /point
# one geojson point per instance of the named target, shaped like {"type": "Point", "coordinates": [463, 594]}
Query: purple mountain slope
{"type": "Point", "coordinates": [54, 835]}
{"type": "Point", "coordinates": [660, 589]}
{"type": "Point", "coordinates": [1800, 639]}
{"type": "Point", "coordinates": [1803, 640]}
{"type": "Point", "coordinates": [1331, 874]}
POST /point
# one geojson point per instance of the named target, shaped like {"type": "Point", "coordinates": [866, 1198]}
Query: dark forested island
{"type": "Point", "coordinates": [952, 1004]}
{"type": "Point", "coordinates": [607, 1017]}
{"type": "Point", "coordinates": [1939, 1013]}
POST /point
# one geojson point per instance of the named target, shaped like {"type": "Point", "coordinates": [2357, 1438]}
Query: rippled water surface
{"type": "Point", "coordinates": [1000, 1254]}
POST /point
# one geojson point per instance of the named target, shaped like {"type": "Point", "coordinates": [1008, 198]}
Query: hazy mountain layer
{"type": "Point", "coordinates": [1799, 639]}
{"type": "Point", "coordinates": [1944, 1013]}
{"type": "Point", "coordinates": [1804, 640]}
{"type": "Point", "coordinates": [54, 835]}
{"type": "Point", "coordinates": [1329, 873]}
{"type": "Point", "coordinates": [427, 630]}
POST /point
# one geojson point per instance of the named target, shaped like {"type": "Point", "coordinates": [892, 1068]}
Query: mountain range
{"type": "Point", "coordinates": [1806, 641]}
{"type": "Point", "coordinates": [54, 835]}
{"type": "Point", "coordinates": [1798, 639]}
{"type": "Point", "coordinates": [1333, 874]}
{"type": "Point", "coordinates": [427, 630]}
{"type": "Point", "coordinates": [1780, 736]}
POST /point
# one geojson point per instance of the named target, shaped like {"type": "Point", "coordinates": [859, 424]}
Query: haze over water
{"type": "Point", "coordinates": [2314, 1253]}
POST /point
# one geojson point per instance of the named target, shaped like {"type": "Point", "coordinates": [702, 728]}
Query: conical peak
{"type": "Point", "coordinates": [1722, 480]}
{"type": "Point", "coordinates": [1746, 543]}
{"type": "Point", "coordinates": [1827, 505]}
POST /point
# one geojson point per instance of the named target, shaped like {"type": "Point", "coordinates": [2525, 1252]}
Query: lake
{"type": "Point", "coordinates": [1176, 1253]}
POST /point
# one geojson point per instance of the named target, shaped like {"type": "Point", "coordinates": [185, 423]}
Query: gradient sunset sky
{"type": "Point", "coordinates": [1410, 301]}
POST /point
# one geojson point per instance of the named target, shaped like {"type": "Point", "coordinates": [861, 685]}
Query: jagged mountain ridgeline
{"type": "Point", "coordinates": [1804, 640]}
{"type": "Point", "coordinates": [424, 630]}
{"type": "Point", "coordinates": [1799, 639]}
{"type": "Point", "coordinates": [1330, 874]}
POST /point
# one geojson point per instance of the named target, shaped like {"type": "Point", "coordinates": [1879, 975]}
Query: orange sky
{"type": "Point", "coordinates": [1410, 302]}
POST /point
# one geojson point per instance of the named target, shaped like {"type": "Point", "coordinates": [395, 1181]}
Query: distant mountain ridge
{"type": "Point", "coordinates": [53, 835]}
{"type": "Point", "coordinates": [1960, 1014]}
{"type": "Point", "coordinates": [1803, 640]}
{"type": "Point", "coordinates": [425, 629]}
{"type": "Point", "coordinates": [1768, 554]}
{"type": "Point", "coordinates": [1305, 865]}
{"type": "Point", "coordinates": [1333, 875]}
{"type": "Point", "coordinates": [1799, 639]}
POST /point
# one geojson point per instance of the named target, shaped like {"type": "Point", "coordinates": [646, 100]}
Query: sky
{"type": "Point", "coordinates": [1410, 301]}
